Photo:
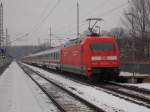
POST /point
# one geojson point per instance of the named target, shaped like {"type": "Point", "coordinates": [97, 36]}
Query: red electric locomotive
{"type": "Point", "coordinates": [92, 56]}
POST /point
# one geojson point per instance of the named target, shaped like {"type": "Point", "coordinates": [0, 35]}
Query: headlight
{"type": "Point", "coordinates": [111, 57]}
{"type": "Point", "coordinates": [96, 58]}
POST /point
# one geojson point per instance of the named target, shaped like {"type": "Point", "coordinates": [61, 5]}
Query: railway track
{"type": "Point", "coordinates": [140, 98]}
{"type": "Point", "coordinates": [64, 100]}
{"type": "Point", "coordinates": [131, 87]}
{"type": "Point", "coordinates": [129, 93]}
{"type": "Point", "coordinates": [80, 79]}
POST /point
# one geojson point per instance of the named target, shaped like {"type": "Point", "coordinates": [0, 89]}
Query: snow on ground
{"type": "Point", "coordinates": [142, 85]}
{"type": "Point", "coordinates": [104, 100]}
{"type": "Point", "coordinates": [131, 74]}
{"type": "Point", "coordinates": [19, 94]}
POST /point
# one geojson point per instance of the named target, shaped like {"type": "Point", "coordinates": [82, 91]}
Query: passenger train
{"type": "Point", "coordinates": [93, 57]}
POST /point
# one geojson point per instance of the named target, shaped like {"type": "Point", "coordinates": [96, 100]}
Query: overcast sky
{"type": "Point", "coordinates": [34, 17]}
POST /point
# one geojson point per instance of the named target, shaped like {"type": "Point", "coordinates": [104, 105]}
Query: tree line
{"type": "Point", "coordinates": [134, 37]}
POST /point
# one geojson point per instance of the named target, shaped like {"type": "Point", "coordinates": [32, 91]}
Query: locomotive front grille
{"type": "Point", "coordinates": [105, 70]}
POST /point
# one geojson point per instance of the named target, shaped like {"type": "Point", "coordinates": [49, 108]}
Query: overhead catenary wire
{"type": "Point", "coordinates": [37, 26]}
{"type": "Point", "coordinates": [46, 8]}
{"type": "Point", "coordinates": [83, 23]}
{"type": "Point", "coordinates": [41, 16]}
{"type": "Point", "coordinates": [100, 15]}
{"type": "Point", "coordinates": [51, 11]}
{"type": "Point", "coordinates": [83, 17]}
{"type": "Point", "coordinates": [16, 39]}
{"type": "Point", "coordinates": [45, 18]}
{"type": "Point", "coordinates": [113, 9]}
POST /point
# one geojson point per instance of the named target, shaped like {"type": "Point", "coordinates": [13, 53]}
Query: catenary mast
{"type": "Point", "coordinates": [1, 27]}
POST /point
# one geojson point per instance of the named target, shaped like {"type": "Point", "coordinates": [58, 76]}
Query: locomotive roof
{"type": "Point", "coordinates": [79, 40]}
{"type": "Point", "coordinates": [90, 37]}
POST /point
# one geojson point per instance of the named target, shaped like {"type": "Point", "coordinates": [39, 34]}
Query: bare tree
{"type": "Point", "coordinates": [117, 32]}
{"type": "Point", "coordinates": [138, 21]}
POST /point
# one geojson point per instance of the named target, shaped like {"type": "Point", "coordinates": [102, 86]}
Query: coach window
{"type": "Point", "coordinates": [48, 56]}
{"type": "Point", "coordinates": [52, 55]}
{"type": "Point", "coordinates": [56, 55]}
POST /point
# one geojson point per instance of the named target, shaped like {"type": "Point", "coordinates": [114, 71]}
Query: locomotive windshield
{"type": "Point", "coordinates": [102, 47]}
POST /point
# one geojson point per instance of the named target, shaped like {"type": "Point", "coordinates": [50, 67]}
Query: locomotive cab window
{"type": "Point", "coordinates": [102, 47]}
